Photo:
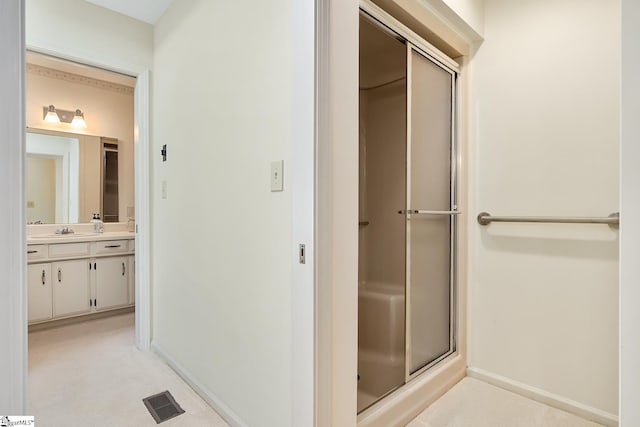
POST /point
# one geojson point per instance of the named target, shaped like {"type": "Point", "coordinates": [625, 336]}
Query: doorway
{"type": "Point", "coordinates": [137, 183]}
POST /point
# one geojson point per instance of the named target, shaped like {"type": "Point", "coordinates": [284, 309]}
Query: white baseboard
{"type": "Point", "coordinates": [542, 396]}
{"type": "Point", "coordinates": [211, 399]}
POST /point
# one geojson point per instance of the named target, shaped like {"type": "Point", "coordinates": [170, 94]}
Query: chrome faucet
{"type": "Point", "coordinates": [64, 230]}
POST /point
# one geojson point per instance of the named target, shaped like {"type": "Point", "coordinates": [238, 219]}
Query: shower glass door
{"type": "Point", "coordinates": [430, 212]}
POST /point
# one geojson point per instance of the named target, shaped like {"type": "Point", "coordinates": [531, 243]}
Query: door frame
{"type": "Point", "coordinates": [13, 259]}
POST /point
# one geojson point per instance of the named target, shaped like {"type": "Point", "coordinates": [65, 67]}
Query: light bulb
{"type": "Point", "coordinates": [78, 120]}
{"type": "Point", "coordinates": [52, 116]}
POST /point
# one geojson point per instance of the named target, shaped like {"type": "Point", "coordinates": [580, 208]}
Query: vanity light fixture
{"type": "Point", "coordinates": [78, 120]}
{"type": "Point", "coordinates": [52, 114]}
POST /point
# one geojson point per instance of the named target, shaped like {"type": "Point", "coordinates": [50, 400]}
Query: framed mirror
{"type": "Point", "coordinates": [70, 177]}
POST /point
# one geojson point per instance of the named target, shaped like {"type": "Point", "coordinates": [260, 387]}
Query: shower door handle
{"type": "Point", "coordinates": [423, 212]}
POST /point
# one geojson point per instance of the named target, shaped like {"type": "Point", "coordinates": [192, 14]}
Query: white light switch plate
{"type": "Point", "coordinates": [277, 179]}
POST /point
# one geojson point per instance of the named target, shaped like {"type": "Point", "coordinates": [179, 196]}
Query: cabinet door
{"type": "Point", "coordinates": [132, 279]}
{"type": "Point", "coordinates": [39, 284]}
{"type": "Point", "coordinates": [70, 287]}
{"type": "Point", "coordinates": [111, 282]}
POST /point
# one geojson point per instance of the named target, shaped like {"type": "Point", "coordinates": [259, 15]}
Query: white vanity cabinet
{"type": "Point", "coordinates": [39, 292]}
{"type": "Point", "coordinates": [112, 282]}
{"type": "Point", "coordinates": [79, 277]}
{"type": "Point", "coordinates": [71, 288]}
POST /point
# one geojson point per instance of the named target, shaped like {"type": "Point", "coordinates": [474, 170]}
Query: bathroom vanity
{"type": "Point", "coordinates": [78, 274]}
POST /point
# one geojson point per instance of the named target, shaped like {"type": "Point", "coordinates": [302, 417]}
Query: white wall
{"type": "Point", "coordinates": [544, 298]}
{"type": "Point", "coordinates": [222, 261]}
{"type": "Point", "coordinates": [471, 11]}
{"type": "Point", "coordinates": [107, 112]}
{"type": "Point", "coordinates": [91, 34]}
{"type": "Point", "coordinates": [630, 212]}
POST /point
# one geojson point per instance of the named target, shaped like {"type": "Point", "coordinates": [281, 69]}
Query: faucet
{"type": "Point", "coordinates": [64, 230]}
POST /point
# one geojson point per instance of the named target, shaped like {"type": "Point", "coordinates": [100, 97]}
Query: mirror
{"type": "Point", "coordinates": [70, 177]}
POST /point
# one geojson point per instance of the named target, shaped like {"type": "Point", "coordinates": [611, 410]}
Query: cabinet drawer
{"type": "Point", "coordinates": [112, 247]}
{"type": "Point", "coordinates": [35, 252]}
{"type": "Point", "coordinates": [64, 250]}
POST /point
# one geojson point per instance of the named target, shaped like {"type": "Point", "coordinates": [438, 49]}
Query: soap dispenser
{"type": "Point", "coordinates": [98, 225]}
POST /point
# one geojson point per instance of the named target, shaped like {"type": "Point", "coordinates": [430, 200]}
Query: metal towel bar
{"type": "Point", "coordinates": [485, 218]}
{"type": "Point", "coordinates": [425, 212]}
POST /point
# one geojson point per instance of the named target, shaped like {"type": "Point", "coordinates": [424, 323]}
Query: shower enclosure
{"type": "Point", "coordinates": [407, 228]}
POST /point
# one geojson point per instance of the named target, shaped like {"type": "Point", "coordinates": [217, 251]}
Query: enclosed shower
{"type": "Point", "coordinates": [407, 209]}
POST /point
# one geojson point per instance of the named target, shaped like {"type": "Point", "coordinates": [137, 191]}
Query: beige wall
{"type": "Point", "coordinates": [222, 258]}
{"type": "Point", "coordinates": [41, 189]}
{"type": "Point", "coordinates": [107, 113]}
{"type": "Point", "coordinates": [383, 150]}
{"type": "Point", "coordinates": [544, 298]}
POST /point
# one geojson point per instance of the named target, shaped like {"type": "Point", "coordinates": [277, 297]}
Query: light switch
{"type": "Point", "coordinates": [164, 189]}
{"type": "Point", "coordinates": [277, 179]}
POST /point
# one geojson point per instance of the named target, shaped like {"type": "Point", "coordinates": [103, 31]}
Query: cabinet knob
{"type": "Point", "coordinates": [59, 274]}
{"type": "Point", "coordinates": [43, 277]}
{"type": "Point", "coordinates": [123, 269]}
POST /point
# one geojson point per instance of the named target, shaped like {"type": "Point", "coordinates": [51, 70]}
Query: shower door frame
{"type": "Point", "coordinates": [454, 159]}
{"type": "Point", "coordinates": [416, 43]}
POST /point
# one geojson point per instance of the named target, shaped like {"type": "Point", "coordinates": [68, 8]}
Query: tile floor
{"type": "Point", "coordinates": [473, 403]}
{"type": "Point", "coordinates": [91, 374]}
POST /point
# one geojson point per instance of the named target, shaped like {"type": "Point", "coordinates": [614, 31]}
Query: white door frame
{"type": "Point", "coordinates": [629, 379]}
{"type": "Point", "coordinates": [13, 263]}
{"type": "Point", "coordinates": [142, 173]}
{"type": "Point", "coordinates": [303, 215]}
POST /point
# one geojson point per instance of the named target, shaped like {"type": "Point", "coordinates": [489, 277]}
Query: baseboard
{"type": "Point", "coordinates": [49, 324]}
{"type": "Point", "coordinates": [210, 398]}
{"type": "Point", "coordinates": [542, 396]}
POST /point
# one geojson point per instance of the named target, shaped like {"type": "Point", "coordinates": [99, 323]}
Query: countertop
{"type": "Point", "coordinates": [42, 239]}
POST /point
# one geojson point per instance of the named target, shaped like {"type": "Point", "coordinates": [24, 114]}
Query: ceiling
{"type": "Point", "coordinates": [144, 10]}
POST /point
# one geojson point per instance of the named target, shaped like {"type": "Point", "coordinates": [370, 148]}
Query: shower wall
{"type": "Point", "coordinates": [544, 298]}
{"type": "Point", "coordinates": [382, 184]}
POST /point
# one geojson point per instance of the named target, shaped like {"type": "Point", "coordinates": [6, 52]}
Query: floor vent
{"type": "Point", "coordinates": [162, 406]}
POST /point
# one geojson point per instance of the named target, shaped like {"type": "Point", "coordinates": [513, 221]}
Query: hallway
{"type": "Point", "coordinates": [92, 373]}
